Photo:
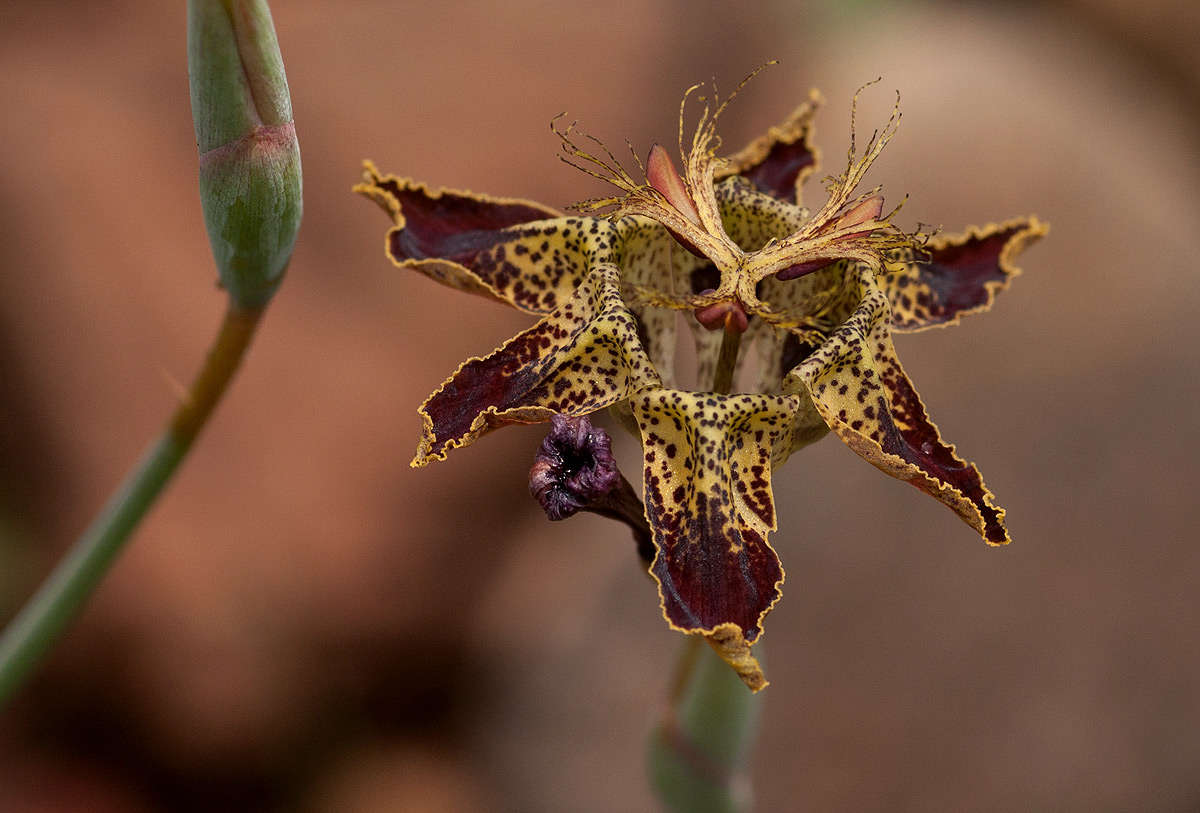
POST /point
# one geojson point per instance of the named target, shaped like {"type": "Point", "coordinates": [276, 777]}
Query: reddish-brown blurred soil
{"type": "Point", "coordinates": [304, 623]}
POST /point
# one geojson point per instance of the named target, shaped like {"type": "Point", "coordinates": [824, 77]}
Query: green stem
{"type": "Point", "coordinates": [56, 603]}
{"type": "Point", "coordinates": [727, 357]}
{"type": "Point", "coordinates": [698, 751]}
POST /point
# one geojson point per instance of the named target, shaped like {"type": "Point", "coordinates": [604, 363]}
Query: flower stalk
{"type": "Point", "coordinates": [250, 191]}
{"type": "Point", "coordinates": [56, 603]}
{"type": "Point", "coordinates": [727, 356]}
{"type": "Point", "coordinates": [698, 752]}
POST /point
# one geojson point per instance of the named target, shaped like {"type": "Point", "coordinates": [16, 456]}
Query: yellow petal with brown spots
{"type": "Point", "coordinates": [650, 258]}
{"type": "Point", "coordinates": [708, 461]}
{"type": "Point", "coordinates": [956, 275]}
{"type": "Point", "coordinates": [505, 249]}
{"type": "Point", "coordinates": [864, 395]}
{"type": "Point", "coordinates": [751, 218]}
{"type": "Point", "coordinates": [582, 358]}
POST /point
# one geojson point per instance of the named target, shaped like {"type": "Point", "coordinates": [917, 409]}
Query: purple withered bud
{"type": "Point", "coordinates": [574, 471]}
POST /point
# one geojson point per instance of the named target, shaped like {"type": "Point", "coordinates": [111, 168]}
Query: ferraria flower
{"type": "Point", "coordinates": [729, 243]}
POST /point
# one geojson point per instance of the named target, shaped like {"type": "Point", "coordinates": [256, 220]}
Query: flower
{"type": "Point", "coordinates": [816, 293]}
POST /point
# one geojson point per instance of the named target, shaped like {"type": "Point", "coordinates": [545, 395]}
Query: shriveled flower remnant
{"type": "Point", "coordinates": [816, 294]}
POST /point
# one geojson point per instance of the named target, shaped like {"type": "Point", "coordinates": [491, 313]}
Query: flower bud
{"type": "Point", "coordinates": [250, 180]}
{"type": "Point", "coordinates": [574, 470]}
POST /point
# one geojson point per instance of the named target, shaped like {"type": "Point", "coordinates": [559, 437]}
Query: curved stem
{"type": "Point", "coordinates": [56, 603]}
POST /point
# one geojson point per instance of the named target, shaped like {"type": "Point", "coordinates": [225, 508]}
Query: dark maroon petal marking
{"type": "Point", "coordinates": [906, 431]}
{"type": "Point", "coordinates": [454, 226]}
{"type": "Point", "coordinates": [502, 380]}
{"type": "Point", "coordinates": [709, 504]}
{"type": "Point", "coordinates": [512, 250]}
{"type": "Point", "coordinates": [961, 274]}
{"type": "Point", "coordinates": [583, 357]}
{"type": "Point", "coordinates": [703, 586]}
{"type": "Point", "coordinates": [778, 162]}
{"type": "Point", "coordinates": [864, 395]}
{"type": "Point", "coordinates": [446, 224]}
{"type": "Point", "coordinates": [777, 173]}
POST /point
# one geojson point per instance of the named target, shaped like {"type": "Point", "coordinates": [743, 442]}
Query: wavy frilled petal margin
{"type": "Point", "coordinates": [708, 461]}
{"type": "Point", "coordinates": [582, 358]}
{"type": "Point", "coordinates": [505, 249]}
{"type": "Point", "coordinates": [958, 274]}
{"type": "Point", "coordinates": [864, 395]}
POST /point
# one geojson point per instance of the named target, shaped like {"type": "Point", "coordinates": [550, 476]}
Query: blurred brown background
{"type": "Point", "coordinates": [304, 623]}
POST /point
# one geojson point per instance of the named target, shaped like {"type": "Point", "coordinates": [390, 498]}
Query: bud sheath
{"type": "Point", "coordinates": [250, 180]}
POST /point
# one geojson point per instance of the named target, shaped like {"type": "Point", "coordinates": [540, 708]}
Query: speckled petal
{"type": "Point", "coordinates": [651, 259]}
{"type": "Point", "coordinates": [751, 217]}
{"type": "Point", "coordinates": [779, 162]}
{"type": "Point", "coordinates": [509, 250]}
{"type": "Point", "coordinates": [708, 498]}
{"type": "Point", "coordinates": [962, 274]}
{"type": "Point", "coordinates": [583, 357]}
{"type": "Point", "coordinates": [862, 392]}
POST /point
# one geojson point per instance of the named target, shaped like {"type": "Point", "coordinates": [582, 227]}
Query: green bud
{"type": "Point", "coordinates": [250, 181]}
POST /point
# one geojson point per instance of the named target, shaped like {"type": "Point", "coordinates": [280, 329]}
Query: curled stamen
{"type": "Point", "coordinates": [845, 227]}
{"type": "Point", "coordinates": [867, 210]}
{"type": "Point", "coordinates": [682, 202]}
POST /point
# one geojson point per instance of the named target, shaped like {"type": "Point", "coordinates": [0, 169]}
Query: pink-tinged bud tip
{"type": "Point", "coordinates": [661, 174]}
{"type": "Point", "coordinates": [864, 211]}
